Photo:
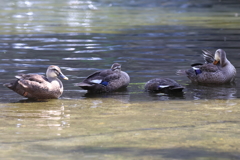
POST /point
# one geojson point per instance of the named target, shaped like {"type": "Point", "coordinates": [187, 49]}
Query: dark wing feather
{"type": "Point", "coordinates": [31, 86]}
{"type": "Point", "coordinates": [86, 84]}
{"type": "Point", "coordinates": [172, 84]}
{"type": "Point", "coordinates": [166, 83]}
{"type": "Point", "coordinates": [105, 75]}
{"type": "Point", "coordinates": [208, 56]}
{"type": "Point", "coordinates": [33, 81]}
{"type": "Point", "coordinates": [209, 68]}
{"type": "Point", "coordinates": [111, 77]}
{"type": "Point", "coordinates": [33, 77]}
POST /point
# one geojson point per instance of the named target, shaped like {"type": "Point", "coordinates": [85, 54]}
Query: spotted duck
{"type": "Point", "coordinates": [216, 70]}
{"type": "Point", "coordinates": [108, 80]}
{"type": "Point", "coordinates": [36, 86]}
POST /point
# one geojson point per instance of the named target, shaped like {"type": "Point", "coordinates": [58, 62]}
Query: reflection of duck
{"type": "Point", "coordinates": [217, 70]}
{"type": "Point", "coordinates": [211, 91]}
{"type": "Point", "coordinates": [121, 96]}
{"type": "Point", "coordinates": [165, 85]}
{"type": "Point", "coordinates": [51, 115]}
{"type": "Point", "coordinates": [37, 86]}
{"type": "Point", "coordinates": [106, 81]}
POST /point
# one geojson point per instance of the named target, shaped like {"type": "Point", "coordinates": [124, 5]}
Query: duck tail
{"type": "Point", "coordinates": [190, 73]}
{"type": "Point", "coordinates": [8, 85]}
{"type": "Point", "coordinates": [83, 85]}
{"type": "Point", "coordinates": [180, 72]}
{"type": "Point", "coordinates": [180, 88]}
{"type": "Point", "coordinates": [12, 85]}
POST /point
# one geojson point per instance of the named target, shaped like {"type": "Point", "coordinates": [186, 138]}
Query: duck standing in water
{"type": "Point", "coordinates": [106, 80]}
{"type": "Point", "coordinates": [36, 86]}
{"type": "Point", "coordinates": [164, 85]}
{"type": "Point", "coordinates": [216, 70]}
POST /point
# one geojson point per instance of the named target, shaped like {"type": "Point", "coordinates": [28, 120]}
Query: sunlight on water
{"type": "Point", "coordinates": [34, 60]}
{"type": "Point", "coordinates": [79, 58]}
{"type": "Point", "coordinates": [107, 17]}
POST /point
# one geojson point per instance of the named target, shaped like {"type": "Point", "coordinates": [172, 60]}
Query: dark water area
{"type": "Point", "coordinates": [149, 52]}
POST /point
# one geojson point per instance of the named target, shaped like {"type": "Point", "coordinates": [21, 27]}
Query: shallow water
{"type": "Point", "coordinates": [96, 129]}
{"type": "Point", "coordinates": [150, 39]}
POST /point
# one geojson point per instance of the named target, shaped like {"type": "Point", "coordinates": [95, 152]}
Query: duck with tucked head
{"type": "Point", "coordinates": [108, 80]}
{"type": "Point", "coordinates": [36, 86]}
{"type": "Point", "coordinates": [216, 70]}
{"type": "Point", "coordinates": [164, 85]}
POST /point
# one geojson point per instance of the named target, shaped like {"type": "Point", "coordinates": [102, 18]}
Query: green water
{"type": "Point", "coordinates": [33, 17]}
{"type": "Point", "coordinates": [111, 129]}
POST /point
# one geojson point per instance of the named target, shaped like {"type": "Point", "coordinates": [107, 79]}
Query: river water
{"type": "Point", "coordinates": [149, 39]}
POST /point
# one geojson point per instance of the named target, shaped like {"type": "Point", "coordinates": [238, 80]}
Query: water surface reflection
{"type": "Point", "coordinates": [106, 127]}
{"type": "Point", "coordinates": [142, 61]}
{"type": "Point", "coordinates": [213, 91]}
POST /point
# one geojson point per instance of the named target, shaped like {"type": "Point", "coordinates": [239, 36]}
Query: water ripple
{"type": "Point", "coordinates": [55, 49]}
{"type": "Point", "coordinates": [81, 58]}
{"type": "Point", "coordinates": [72, 45]}
{"type": "Point", "coordinates": [152, 59]}
{"type": "Point", "coordinates": [90, 51]}
{"type": "Point", "coordinates": [79, 69]}
{"type": "Point", "coordinates": [31, 60]}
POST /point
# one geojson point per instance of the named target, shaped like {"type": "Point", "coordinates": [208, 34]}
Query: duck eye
{"type": "Point", "coordinates": [56, 71]}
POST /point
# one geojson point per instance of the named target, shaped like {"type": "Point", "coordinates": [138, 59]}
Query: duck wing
{"type": "Point", "coordinates": [202, 68]}
{"type": "Point", "coordinates": [162, 84]}
{"type": "Point", "coordinates": [32, 77]}
{"type": "Point", "coordinates": [208, 56]}
{"type": "Point", "coordinates": [203, 73]}
{"type": "Point", "coordinates": [100, 77]}
{"type": "Point", "coordinates": [208, 67]}
{"type": "Point", "coordinates": [28, 85]}
{"type": "Point", "coordinates": [32, 81]}
{"type": "Point", "coordinates": [172, 84]}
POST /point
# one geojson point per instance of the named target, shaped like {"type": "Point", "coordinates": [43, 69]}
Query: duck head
{"type": "Point", "coordinates": [54, 71]}
{"type": "Point", "coordinates": [220, 57]}
{"type": "Point", "coordinates": [116, 67]}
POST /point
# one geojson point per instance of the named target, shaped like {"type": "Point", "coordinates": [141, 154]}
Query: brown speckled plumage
{"type": "Point", "coordinates": [106, 80]}
{"type": "Point", "coordinates": [164, 85]}
{"type": "Point", "coordinates": [37, 86]}
{"type": "Point", "coordinates": [216, 70]}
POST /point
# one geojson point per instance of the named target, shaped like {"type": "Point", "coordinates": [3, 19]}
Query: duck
{"type": "Point", "coordinates": [164, 85]}
{"type": "Point", "coordinates": [35, 86]}
{"type": "Point", "coordinates": [217, 69]}
{"type": "Point", "coordinates": [108, 80]}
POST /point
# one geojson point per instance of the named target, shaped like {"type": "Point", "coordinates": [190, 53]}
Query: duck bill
{"type": "Point", "coordinates": [63, 76]}
{"type": "Point", "coordinates": [215, 62]}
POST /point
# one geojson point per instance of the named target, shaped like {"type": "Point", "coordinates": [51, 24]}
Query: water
{"type": "Point", "coordinates": [150, 39]}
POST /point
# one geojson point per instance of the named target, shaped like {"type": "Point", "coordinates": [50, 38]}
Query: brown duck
{"type": "Point", "coordinates": [108, 80]}
{"type": "Point", "coordinates": [36, 86]}
{"type": "Point", "coordinates": [164, 85]}
{"type": "Point", "coordinates": [216, 70]}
